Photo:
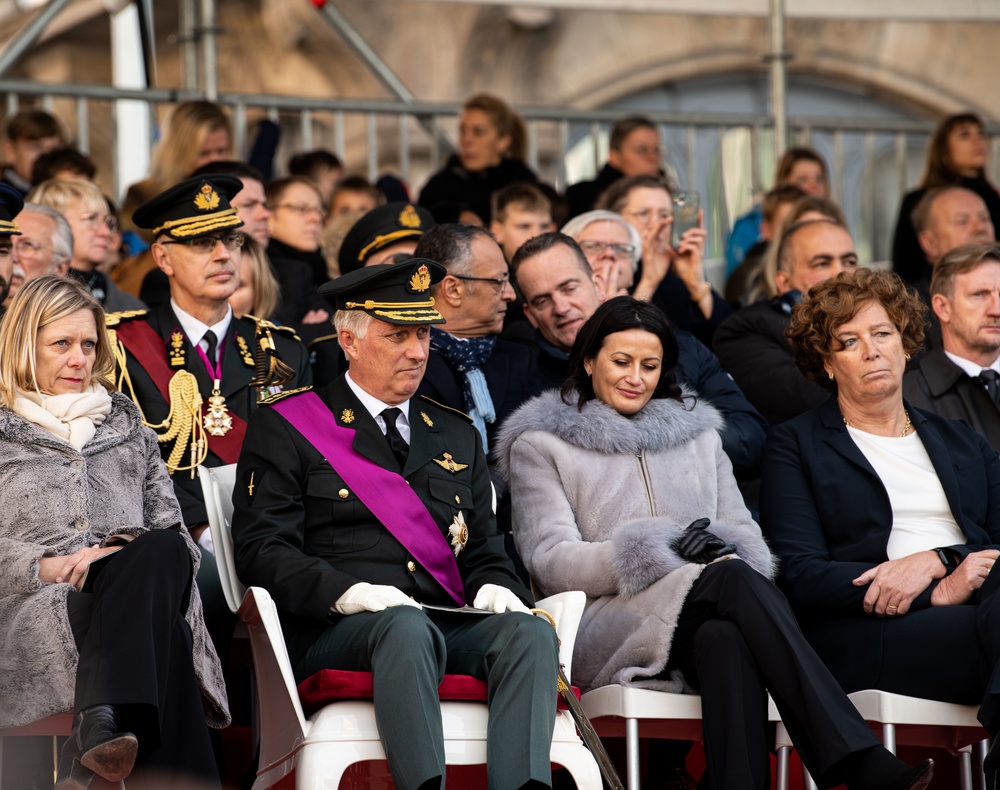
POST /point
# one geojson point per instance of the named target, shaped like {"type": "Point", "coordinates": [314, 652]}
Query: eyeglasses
{"type": "Point", "coordinates": [28, 249]}
{"type": "Point", "coordinates": [93, 220]}
{"type": "Point", "coordinates": [646, 214]}
{"type": "Point", "coordinates": [206, 244]}
{"type": "Point", "coordinates": [620, 251]}
{"type": "Point", "coordinates": [301, 208]}
{"type": "Point", "coordinates": [499, 282]}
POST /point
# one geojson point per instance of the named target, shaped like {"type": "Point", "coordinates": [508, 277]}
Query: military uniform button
{"type": "Point", "coordinates": [343, 493]}
{"type": "Point", "coordinates": [411, 566]}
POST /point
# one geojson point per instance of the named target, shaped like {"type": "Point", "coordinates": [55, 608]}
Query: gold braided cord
{"type": "Point", "coordinates": [230, 215]}
{"type": "Point", "coordinates": [183, 423]}
{"type": "Point", "coordinates": [371, 304]}
{"type": "Point", "coordinates": [381, 241]}
{"type": "Point", "coordinates": [416, 316]}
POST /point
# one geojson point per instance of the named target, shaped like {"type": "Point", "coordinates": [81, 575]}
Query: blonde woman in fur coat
{"type": "Point", "coordinates": [620, 488]}
{"type": "Point", "coordinates": [121, 642]}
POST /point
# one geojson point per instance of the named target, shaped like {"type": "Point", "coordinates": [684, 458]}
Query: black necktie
{"type": "Point", "coordinates": [991, 379]}
{"type": "Point", "coordinates": [213, 347]}
{"type": "Point", "coordinates": [400, 448]}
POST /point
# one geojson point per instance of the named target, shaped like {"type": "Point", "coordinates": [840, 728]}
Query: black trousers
{"type": "Point", "coordinates": [737, 639]}
{"type": "Point", "coordinates": [135, 654]}
{"type": "Point", "coordinates": [408, 653]}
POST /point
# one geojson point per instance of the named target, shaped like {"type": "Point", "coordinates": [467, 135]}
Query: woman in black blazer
{"type": "Point", "coordinates": [886, 519]}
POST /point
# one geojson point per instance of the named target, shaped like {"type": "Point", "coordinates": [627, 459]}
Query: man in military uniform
{"type": "Point", "coordinates": [10, 205]}
{"type": "Point", "coordinates": [358, 503]}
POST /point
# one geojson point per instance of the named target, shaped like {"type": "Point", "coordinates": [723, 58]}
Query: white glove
{"type": "Point", "coordinates": [365, 597]}
{"type": "Point", "coordinates": [499, 599]}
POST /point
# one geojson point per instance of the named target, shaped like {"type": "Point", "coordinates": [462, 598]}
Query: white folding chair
{"type": "Point", "coordinates": [911, 721]}
{"type": "Point", "coordinates": [217, 485]}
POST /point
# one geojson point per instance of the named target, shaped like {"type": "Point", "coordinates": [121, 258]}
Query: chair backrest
{"type": "Point", "coordinates": [217, 487]}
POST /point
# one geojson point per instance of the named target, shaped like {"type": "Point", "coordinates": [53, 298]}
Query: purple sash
{"type": "Point", "coordinates": [386, 494]}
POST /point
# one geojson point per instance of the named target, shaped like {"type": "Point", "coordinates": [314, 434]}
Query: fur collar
{"type": "Point", "coordinates": [662, 424]}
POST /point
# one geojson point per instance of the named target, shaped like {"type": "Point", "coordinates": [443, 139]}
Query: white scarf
{"type": "Point", "coordinates": [73, 416]}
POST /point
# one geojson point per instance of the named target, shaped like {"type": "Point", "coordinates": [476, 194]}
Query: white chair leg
{"type": "Point", "coordinates": [807, 780]}
{"type": "Point", "coordinates": [965, 767]}
{"type": "Point", "coordinates": [889, 737]}
{"type": "Point", "coordinates": [783, 748]}
{"type": "Point", "coordinates": [632, 753]}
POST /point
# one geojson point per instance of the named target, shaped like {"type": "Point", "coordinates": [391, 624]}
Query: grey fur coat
{"type": "Point", "coordinates": [55, 500]}
{"type": "Point", "coordinates": [597, 499]}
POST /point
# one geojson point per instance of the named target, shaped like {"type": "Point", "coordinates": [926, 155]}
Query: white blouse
{"type": "Point", "coordinates": [921, 516]}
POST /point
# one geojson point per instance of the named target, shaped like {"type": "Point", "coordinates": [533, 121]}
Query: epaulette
{"type": "Point", "coordinates": [461, 414]}
{"type": "Point", "coordinates": [285, 330]}
{"type": "Point", "coordinates": [113, 319]}
{"type": "Point", "coordinates": [283, 394]}
{"type": "Point", "coordinates": [323, 339]}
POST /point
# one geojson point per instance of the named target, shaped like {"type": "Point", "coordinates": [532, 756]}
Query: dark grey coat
{"type": "Point", "coordinates": [55, 500]}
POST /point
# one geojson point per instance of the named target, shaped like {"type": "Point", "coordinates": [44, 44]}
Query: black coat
{"type": "Point", "coordinates": [673, 298]}
{"type": "Point", "coordinates": [510, 377]}
{"type": "Point", "coordinates": [752, 346]}
{"type": "Point", "coordinates": [236, 375]}
{"type": "Point", "coordinates": [939, 385]}
{"type": "Point", "coordinates": [826, 515]}
{"type": "Point", "coordinates": [298, 537]}
{"type": "Point", "coordinates": [455, 184]}
{"type": "Point", "coordinates": [908, 259]}
{"type": "Point", "coordinates": [583, 196]}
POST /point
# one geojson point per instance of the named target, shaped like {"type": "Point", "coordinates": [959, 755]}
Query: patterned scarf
{"type": "Point", "coordinates": [467, 356]}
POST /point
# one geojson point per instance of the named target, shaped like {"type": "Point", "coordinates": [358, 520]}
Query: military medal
{"type": "Point", "coordinates": [459, 532]}
{"type": "Point", "coordinates": [217, 419]}
{"type": "Point", "coordinates": [449, 464]}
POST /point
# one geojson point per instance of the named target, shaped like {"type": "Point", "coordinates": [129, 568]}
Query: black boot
{"type": "Point", "coordinates": [100, 746]}
{"type": "Point", "coordinates": [72, 775]}
{"type": "Point", "coordinates": [879, 769]}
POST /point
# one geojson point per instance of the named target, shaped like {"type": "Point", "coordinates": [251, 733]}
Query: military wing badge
{"type": "Point", "coordinates": [449, 464]}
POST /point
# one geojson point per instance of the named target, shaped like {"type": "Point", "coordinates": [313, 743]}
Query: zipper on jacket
{"type": "Point", "coordinates": [641, 457]}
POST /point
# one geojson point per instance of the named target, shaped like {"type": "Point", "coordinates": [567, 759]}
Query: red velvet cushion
{"type": "Point", "coordinates": [332, 685]}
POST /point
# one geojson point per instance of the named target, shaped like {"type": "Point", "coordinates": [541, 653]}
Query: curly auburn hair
{"type": "Point", "coordinates": [833, 303]}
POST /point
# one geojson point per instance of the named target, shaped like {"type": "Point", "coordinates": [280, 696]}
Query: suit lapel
{"type": "Point", "coordinates": [425, 439]}
{"type": "Point", "coordinates": [166, 323]}
{"type": "Point", "coordinates": [235, 375]}
{"type": "Point", "coordinates": [368, 439]}
{"type": "Point", "coordinates": [837, 437]}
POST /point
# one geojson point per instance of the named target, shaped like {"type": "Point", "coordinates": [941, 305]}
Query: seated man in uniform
{"type": "Point", "coordinates": [190, 365]}
{"type": "Point", "coordinates": [357, 503]}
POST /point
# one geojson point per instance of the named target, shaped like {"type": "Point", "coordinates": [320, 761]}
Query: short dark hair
{"type": "Point", "coordinates": [792, 157]}
{"type": "Point", "coordinates": [792, 230]}
{"type": "Point", "coordinates": [309, 163]}
{"type": "Point", "coordinates": [450, 244]}
{"type": "Point", "coordinates": [32, 124]}
{"type": "Point", "coordinates": [615, 196]}
{"type": "Point", "coordinates": [780, 196]}
{"type": "Point", "coordinates": [959, 261]}
{"type": "Point", "coordinates": [60, 159]}
{"type": "Point", "coordinates": [623, 127]}
{"type": "Point", "coordinates": [276, 189]}
{"type": "Point", "coordinates": [618, 315]}
{"type": "Point", "coordinates": [834, 302]}
{"type": "Point", "coordinates": [921, 215]}
{"type": "Point", "coordinates": [544, 243]}
{"type": "Point", "coordinates": [230, 167]}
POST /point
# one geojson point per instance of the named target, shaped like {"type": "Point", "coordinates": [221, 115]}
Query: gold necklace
{"type": "Point", "coordinates": [906, 428]}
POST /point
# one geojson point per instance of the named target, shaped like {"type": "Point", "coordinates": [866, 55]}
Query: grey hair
{"type": "Point", "coordinates": [62, 239]}
{"type": "Point", "coordinates": [578, 224]}
{"type": "Point", "coordinates": [354, 321]}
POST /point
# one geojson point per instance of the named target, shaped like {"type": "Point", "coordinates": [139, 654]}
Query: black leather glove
{"type": "Point", "coordinates": [700, 546]}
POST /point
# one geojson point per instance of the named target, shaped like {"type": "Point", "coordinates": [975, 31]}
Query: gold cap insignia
{"type": "Point", "coordinates": [409, 218]}
{"type": "Point", "coordinates": [449, 464]}
{"type": "Point", "coordinates": [426, 419]}
{"type": "Point", "coordinates": [420, 280]}
{"type": "Point", "coordinates": [207, 198]}
{"type": "Point", "coordinates": [347, 416]}
{"type": "Point", "coordinates": [459, 532]}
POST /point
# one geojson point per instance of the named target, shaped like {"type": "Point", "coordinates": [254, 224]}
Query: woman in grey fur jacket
{"type": "Point", "coordinates": [123, 644]}
{"type": "Point", "coordinates": [620, 488]}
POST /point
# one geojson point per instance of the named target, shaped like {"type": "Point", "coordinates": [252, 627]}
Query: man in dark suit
{"type": "Point", "coordinates": [961, 380]}
{"type": "Point", "coordinates": [471, 368]}
{"type": "Point", "coordinates": [358, 503]}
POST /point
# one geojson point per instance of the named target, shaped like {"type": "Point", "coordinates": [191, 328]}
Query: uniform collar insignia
{"type": "Point", "coordinates": [347, 416]}
{"type": "Point", "coordinates": [177, 351]}
{"type": "Point", "coordinates": [426, 419]}
{"type": "Point", "coordinates": [241, 343]}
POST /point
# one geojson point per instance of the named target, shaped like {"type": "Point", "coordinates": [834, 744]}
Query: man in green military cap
{"type": "Point", "coordinates": [358, 503]}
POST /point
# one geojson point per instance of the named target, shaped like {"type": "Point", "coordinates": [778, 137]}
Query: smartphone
{"type": "Point", "coordinates": [686, 205]}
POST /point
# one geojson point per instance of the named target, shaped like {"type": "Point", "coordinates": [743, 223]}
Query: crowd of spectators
{"type": "Point", "coordinates": [762, 389]}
